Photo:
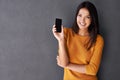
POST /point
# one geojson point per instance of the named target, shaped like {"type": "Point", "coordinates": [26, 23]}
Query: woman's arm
{"type": "Point", "coordinates": [62, 52]}
{"type": "Point", "coordinates": [63, 56]}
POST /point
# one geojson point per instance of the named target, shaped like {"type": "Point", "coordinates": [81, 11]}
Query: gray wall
{"type": "Point", "coordinates": [28, 49]}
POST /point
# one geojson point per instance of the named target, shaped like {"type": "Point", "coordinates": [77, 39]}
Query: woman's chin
{"type": "Point", "coordinates": [83, 27]}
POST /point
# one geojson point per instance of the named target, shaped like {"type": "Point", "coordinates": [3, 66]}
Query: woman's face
{"type": "Point", "coordinates": [83, 18]}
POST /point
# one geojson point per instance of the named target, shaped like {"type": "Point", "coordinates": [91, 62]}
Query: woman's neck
{"type": "Point", "coordinates": [83, 32]}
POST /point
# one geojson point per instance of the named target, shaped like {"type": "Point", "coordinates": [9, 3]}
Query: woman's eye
{"type": "Point", "coordinates": [79, 15]}
{"type": "Point", "coordinates": [88, 17]}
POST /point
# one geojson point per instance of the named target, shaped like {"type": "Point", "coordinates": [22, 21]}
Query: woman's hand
{"type": "Point", "coordinates": [58, 36]}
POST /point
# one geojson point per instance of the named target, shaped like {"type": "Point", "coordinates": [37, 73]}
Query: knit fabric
{"type": "Point", "coordinates": [79, 54]}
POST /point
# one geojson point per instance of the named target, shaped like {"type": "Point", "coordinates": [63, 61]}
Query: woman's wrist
{"type": "Point", "coordinates": [61, 41]}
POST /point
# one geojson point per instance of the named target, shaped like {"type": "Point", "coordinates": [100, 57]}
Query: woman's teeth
{"type": "Point", "coordinates": [83, 24]}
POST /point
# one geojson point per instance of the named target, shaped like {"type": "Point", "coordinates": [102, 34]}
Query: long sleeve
{"type": "Point", "coordinates": [93, 66]}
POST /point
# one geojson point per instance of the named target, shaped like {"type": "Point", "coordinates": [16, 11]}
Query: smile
{"type": "Point", "coordinates": [82, 24]}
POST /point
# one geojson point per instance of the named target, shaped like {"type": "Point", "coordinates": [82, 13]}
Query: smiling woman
{"type": "Point", "coordinates": [80, 47]}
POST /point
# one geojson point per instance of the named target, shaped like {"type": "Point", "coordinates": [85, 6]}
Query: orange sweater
{"type": "Point", "coordinates": [78, 54]}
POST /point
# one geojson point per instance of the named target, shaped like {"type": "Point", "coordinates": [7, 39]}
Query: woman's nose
{"type": "Point", "coordinates": [82, 19]}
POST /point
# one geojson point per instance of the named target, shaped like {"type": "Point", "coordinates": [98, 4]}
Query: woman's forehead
{"type": "Point", "coordinates": [84, 11]}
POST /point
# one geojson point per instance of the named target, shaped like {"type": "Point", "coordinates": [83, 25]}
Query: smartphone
{"type": "Point", "coordinates": [58, 23]}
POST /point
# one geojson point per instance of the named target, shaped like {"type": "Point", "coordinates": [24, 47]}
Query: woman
{"type": "Point", "coordinates": [80, 47]}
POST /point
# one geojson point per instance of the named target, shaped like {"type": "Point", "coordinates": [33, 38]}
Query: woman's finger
{"type": "Point", "coordinates": [54, 29]}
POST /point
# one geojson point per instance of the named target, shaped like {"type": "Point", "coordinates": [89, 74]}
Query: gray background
{"type": "Point", "coordinates": [28, 48]}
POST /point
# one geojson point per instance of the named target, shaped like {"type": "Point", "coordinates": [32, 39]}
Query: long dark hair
{"type": "Point", "coordinates": [93, 29]}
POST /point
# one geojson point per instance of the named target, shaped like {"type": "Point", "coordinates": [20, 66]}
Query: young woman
{"type": "Point", "coordinates": [80, 47]}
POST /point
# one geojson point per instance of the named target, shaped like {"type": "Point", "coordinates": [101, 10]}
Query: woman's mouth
{"type": "Point", "coordinates": [82, 24]}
